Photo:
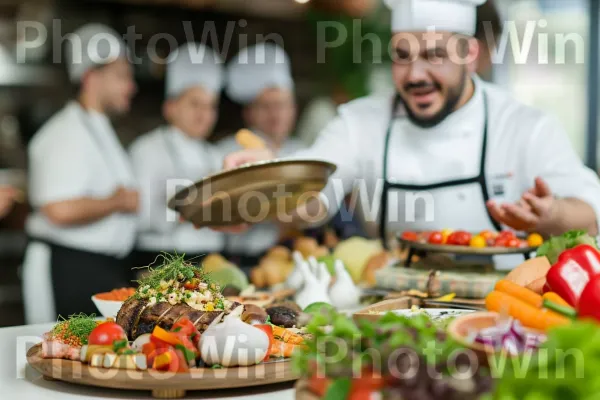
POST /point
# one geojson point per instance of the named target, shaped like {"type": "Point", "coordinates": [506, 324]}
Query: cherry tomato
{"type": "Point", "coordinates": [501, 242]}
{"type": "Point", "coordinates": [507, 235]}
{"type": "Point", "coordinates": [106, 334]}
{"type": "Point", "coordinates": [513, 243]}
{"type": "Point", "coordinates": [319, 386]}
{"type": "Point", "coordinates": [412, 236]}
{"type": "Point", "coordinates": [535, 240]}
{"type": "Point", "coordinates": [487, 235]}
{"type": "Point", "coordinates": [459, 238]}
{"type": "Point", "coordinates": [436, 238]}
{"type": "Point", "coordinates": [478, 242]}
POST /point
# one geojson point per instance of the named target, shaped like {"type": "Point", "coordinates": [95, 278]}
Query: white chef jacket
{"type": "Point", "coordinates": [260, 237]}
{"type": "Point", "coordinates": [78, 154]}
{"type": "Point", "coordinates": [162, 154]}
{"type": "Point", "coordinates": [75, 154]}
{"type": "Point", "coordinates": [523, 143]}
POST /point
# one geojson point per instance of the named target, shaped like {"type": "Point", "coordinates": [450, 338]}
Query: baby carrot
{"type": "Point", "coordinates": [521, 293]}
{"type": "Point", "coordinates": [529, 315]}
{"type": "Point", "coordinates": [555, 298]}
{"type": "Point", "coordinates": [282, 349]}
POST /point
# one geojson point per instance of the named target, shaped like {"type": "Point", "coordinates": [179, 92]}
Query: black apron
{"type": "Point", "coordinates": [480, 179]}
{"type": "Point", "coordinates": [79, 274]}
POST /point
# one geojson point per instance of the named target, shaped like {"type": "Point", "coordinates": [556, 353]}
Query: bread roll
{"type": "Point", "coordinates": [249, 141]}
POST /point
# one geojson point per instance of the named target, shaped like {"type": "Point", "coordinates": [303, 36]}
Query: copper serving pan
{"type": "Point", "coordinates": [252, 193]}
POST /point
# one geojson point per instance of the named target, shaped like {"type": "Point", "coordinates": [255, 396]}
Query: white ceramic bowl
{"type": "Point", "coordinates": [108, 308]}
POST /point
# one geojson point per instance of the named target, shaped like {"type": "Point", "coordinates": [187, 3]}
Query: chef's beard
{"type": "Point", "coordinates": [452, 100]}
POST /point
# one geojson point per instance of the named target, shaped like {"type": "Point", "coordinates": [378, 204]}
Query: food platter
{"type": "Point", "coordinates": [252, 193]}
{"type": "Point", "coordinates": [163, 385]}
{"type": "Point", "coordinates": [421, 247]}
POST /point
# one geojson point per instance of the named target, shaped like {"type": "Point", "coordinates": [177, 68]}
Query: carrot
{"type": "Point", "coordinates": [283, 349]}
{"type": "Point", "coordinates": [521, 293]}
{"type": "Point", "coordinates": [286, 336]}
{"type": "Point", "coordinates": [529, 315]}
{"type": "Point", "coordinates": [556, 299]}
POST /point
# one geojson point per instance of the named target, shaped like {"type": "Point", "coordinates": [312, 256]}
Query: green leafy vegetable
{"type": "Point", "coordinates": [339, 389]}
{"type": "Point", "coordinates": [120, 345]}
{"type": "Point", "coordinates": [552, 248]}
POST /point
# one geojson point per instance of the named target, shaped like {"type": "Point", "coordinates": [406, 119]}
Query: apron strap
{"type": "Point", "coordinates": [479, 179]}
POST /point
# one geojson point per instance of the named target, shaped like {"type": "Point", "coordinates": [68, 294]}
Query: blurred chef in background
{"type": "Point", "coordinates": [179, 151]}
{"type": "Point", "coordinates": [82, 186]}
{"type": "Point", "coordinates": [260, 79]}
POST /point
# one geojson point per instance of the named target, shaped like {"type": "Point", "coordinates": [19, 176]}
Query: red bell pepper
{"type": "Point", "coordinates": [572, 272]}
{"type": "Point", "coordinates": [268, 329]}
{"type": "Point", "coordinates": [589, 302]}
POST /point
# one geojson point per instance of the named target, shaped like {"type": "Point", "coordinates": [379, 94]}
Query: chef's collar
{"type": "Point", "coordinates": [181, 136]}
{"type": "Point", "coordinates": [464, 122]}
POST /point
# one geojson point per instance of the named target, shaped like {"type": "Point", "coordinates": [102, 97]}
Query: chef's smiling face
{"type": "Point", "coordinates": [273, 113]}
{"type": "Point", "coordinates": [194, 112]}
{"type": "Point", "coordinates": [431, 71]}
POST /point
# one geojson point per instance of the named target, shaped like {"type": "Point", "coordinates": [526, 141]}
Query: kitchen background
{"type": "Point", "coordinates": [32, 91]}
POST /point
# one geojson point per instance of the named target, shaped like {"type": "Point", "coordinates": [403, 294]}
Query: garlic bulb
{"type": "Point", "coordinates": [315, 286]}
{"type": "Point", "coordinates": [295, 280]}
{"type": "Point", "coordinates": [233, 342]}
{"type": "Point", "coordinates": [343, 293]}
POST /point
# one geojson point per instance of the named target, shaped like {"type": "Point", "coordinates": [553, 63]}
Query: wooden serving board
{"type": "Point", "coordinates": [163, 385]}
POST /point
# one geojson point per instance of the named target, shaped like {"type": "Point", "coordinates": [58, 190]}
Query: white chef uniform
{"type": "Point", "coordinates": [167, 153]}
{"type": "Point", "coordinates": [75, 154]}
{"type": "Point", "coordinates": [414, 178]}
{"type": "Point", "coordinates": [249, 73]}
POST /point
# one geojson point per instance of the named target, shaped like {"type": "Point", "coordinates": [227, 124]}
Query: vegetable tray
{"type": "Point", "coordinates": [163, 385]}
{"type": "Point", "coordinates": [467, 250]}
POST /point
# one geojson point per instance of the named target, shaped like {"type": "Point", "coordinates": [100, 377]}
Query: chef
{"type": "Point", "coordinates": [259, 78]}
{"type": "Point", "coordinates": [449, 150]}
{"type": "Point", "coordinates": [82, 186]}
{"type": "Point", "coordinates": [179, 151]}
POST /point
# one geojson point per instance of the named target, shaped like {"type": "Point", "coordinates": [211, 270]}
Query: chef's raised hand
{"type": "Point", "coordinates": [536, 211]}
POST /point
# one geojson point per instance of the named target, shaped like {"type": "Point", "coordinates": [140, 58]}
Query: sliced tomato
{"type": "Point", "coordinates": [436, 238]}
{"type": "Point", "coordinates": [166, 360]}
{"type": "Point", "coordinates": [184, 326]}
{"type": "Point", "coordinates": [148, 348]}
{"type": "Point", "coordinates": [412, 236]}
{"type": "Point", "coordinates": [268, 329]}
{"type": "Point", "coordinates": [181, 360]}
{"type": "Point", "coordinates": [152, 356]}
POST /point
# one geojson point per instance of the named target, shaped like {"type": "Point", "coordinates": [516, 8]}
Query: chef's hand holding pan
{"type": "Point", "coordinates": [534, 212]}
{"type": "Point", "coordinates": [255, 149]}
{"type": "Point", "coordinates": [8, 197]}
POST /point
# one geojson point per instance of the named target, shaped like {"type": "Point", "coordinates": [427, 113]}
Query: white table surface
{"type": "Point", "coordinates": [19, 381]}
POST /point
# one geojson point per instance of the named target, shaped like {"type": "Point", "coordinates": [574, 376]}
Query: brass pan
{"type": "Point", "coordinates": [252, 193]}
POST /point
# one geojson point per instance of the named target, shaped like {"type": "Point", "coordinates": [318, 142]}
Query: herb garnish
{"type": "Point", "coordinates": [75, 330]}
{"type": "Point", "coordinates": [174, 268]}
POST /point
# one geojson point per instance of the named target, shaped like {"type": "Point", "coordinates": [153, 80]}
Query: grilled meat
{"type": "Point", "coordinates": [137, 317]}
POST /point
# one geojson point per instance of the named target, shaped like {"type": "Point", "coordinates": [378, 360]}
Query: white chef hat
{"type": "Point", "coordinates": [193, 65]}
{"type": "Point", "coordinates": [257, 68]}
{"type": "Point", "coordinates": [90, 46]}
{"type": "Point", "coordinates": [459, 16]}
